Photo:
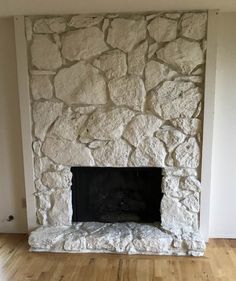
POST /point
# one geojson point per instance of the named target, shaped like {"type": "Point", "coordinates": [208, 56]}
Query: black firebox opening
{"type": "Point", "coordinates": [116, 194]}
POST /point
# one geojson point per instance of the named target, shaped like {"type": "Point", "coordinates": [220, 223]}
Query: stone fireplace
{"type": "Point", "coordinates": [117, 91]}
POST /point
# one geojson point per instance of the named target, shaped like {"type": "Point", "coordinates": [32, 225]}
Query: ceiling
{"type": "Point", "coordinates": [27, 7]}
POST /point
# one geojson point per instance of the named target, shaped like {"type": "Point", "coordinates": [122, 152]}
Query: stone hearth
{"type": "Point", "coordinates": [117, 91]}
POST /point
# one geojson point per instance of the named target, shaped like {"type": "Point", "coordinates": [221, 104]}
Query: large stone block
{"type": "Point", "coordinates": [67, 153]}
{"type": "Point", "coordinates": [150, 153]}
{"type": "Point", "coordinates": [45, 54]}
{"type": "Point", "coordinates": [175, 99]}
{"type": "Point", "coordinates": [194, 25]}
{"type": "Point", "coordinates": [83, 44]}
{"type": "Point", "coordinates": [68, 126]}
{"type": "Point", "coordinates": [162, 29]}
{"type": "Point", "coordinates": [59, 179]}
{"type": "Point", "coordinates": [61, 210]}
{"type": "Point", "coordinates": [81, 21]}
{"type": "Point", "coordinates": [140, 127]}
{"type": "Point", "coordinates": [190, 126]}
{"type": "Point", "coordinates": [128, 91]}
{"type": "Point", "coordinates": [44, 114]}
{"type": "Point", "coordinates": [124, 34]}
{"type": "Point", "coordinates": [113, 154]}
{"type": "Point", "coordinates": [47, 237]}
{"type": "Point", "coordinates": [182, 55]}
{"type": "Point", "coordinates": [113, 63]}
{"type": "Point", "coordinates": [148, 238]}
{"type": "Point", "coordinates": [176, 218]}
{"type": "Point", "coordinates": [80, 84]}
{"type": "Point", "coordinates": [108, 125]}
{"type": "Point", "coordinates": [41, 87]}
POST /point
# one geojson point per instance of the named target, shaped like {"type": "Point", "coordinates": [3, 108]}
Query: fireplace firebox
{"type": "Point", "coordinates": [116, 194]}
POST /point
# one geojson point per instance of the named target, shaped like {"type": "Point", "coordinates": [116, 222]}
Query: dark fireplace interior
{"type": "Point", "coordinates": [116, 194]}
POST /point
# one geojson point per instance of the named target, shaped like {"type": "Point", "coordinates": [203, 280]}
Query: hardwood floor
{"type": "Point", "coordinates": [17, 264]}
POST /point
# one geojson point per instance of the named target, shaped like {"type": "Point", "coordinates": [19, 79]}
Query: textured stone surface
{"type": "Point", "coordinates": [42, 164]}
{"type": "Point", "coordinates": [190, 126]}
{"type": "Point", "coordinates": [152, 49]}
{"type": "Point", "coordinates": [45, 54]}
{"type": "Point", "coordinates": [60, 179]}
{"type": "Point", "coordinates": [50, 25]}
{"type": "Point", "coordinates": [83, 43]}
{"type": "Point", "coordinates": [192, 202]}
{"type": "Point", "coordinates": [108, 125]}
{"type": "Point", "coordinates": [80, 21]}
{"type": "Point", "coordinates": [113, 154]}
{"type": "Point", "coordinates": [170, 185]}
{"type": "Point", "coordinates": [124, 34]}
{"type": "Point", "coordinates": [94, 127]}
{"type": "Point", "coordinates": [41, 87]}
{"type": "Point", "coordinates": [39, 186]}
{"type": "Point", "coordinates": [191, 183]}
{"type": "Point", "coordinates": [61, 211]}
{"type": "Point", "coordinates": [113, 63]}
{"type": "Point", "coordinates": [41, 216]}
{"type": "Point", "coordinates": [36, 145]}
{"type": "Point", "coordinates": [171, 137]}
{"type": "Point", "coordinates": [80, 84]}
{"type": "Point", "coordinates": [155, 73]}
{"type": "Point", "coordinates": [150, 239]}
{"type": "Point", "coordinates": [187, 154]}
{"type": "Point", "coordinates": [181, 54]}
{"type": "Point", "coordinates": [129, 238]}
{"type": "Point", "coordinates": [150, 153]}
{"type": "Point", "coordinates": [162, 29]}
{"type": "Point", "coordinates": [68, 126]}
{"type": "Point", "coordinates": [43, 201]}
{"type": "Point", "coordinates": [194, 25]}
{"type": "Point", "coordinates": [175, 99]}
{"type": "Point", "coordinates": [44, 114]}
{"type": "Point", "coordinates": [136, 59]}
{"type": "Point", "coordinates": [46, 238]}
{"type": "Point", "coordinates": [175, 217]}
{"type": "Point", "coordinates": [128, 91]}
{"type": "Point", "coordinates": [67, 153]}
{"type": "Point", "coordinates": [140, 127]}
{"type": "Point", "coordinates": [85, 109]}
{"type": "Point", "coordinates": [97, 144]}
{"type": "Point", "coordinates": [173, 16]}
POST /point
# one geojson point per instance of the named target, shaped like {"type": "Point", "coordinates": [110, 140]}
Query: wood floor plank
{"type": "Point", "coordinates": [18, 264]}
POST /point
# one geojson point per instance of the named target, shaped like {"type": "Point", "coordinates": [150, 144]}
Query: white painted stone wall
{"type": "Point", "coordinates": [121, 91]}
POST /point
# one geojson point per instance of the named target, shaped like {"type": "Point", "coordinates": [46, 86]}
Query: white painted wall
{"type": "Point", "coordinates": [223, 192]}
{"type": "Point", "coordinates": [11, 165]}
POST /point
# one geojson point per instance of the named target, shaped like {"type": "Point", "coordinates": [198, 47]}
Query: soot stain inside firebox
{"type": "Point", "coordinates": [116, 194]}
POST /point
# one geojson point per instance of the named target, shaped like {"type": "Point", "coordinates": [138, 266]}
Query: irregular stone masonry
{"type": "Point", "coordinates": [118, 90]}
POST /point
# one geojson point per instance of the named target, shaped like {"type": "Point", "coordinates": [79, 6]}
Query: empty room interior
{"type": "Point", "coordinates": [117, 140]}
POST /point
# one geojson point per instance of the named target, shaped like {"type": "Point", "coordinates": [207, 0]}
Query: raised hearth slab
{"type": "Point", "coordinates": [120, 238]}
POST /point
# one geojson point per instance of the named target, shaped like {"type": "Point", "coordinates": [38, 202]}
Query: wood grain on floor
{"type": "Point", "coordinates": [17, 264]}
